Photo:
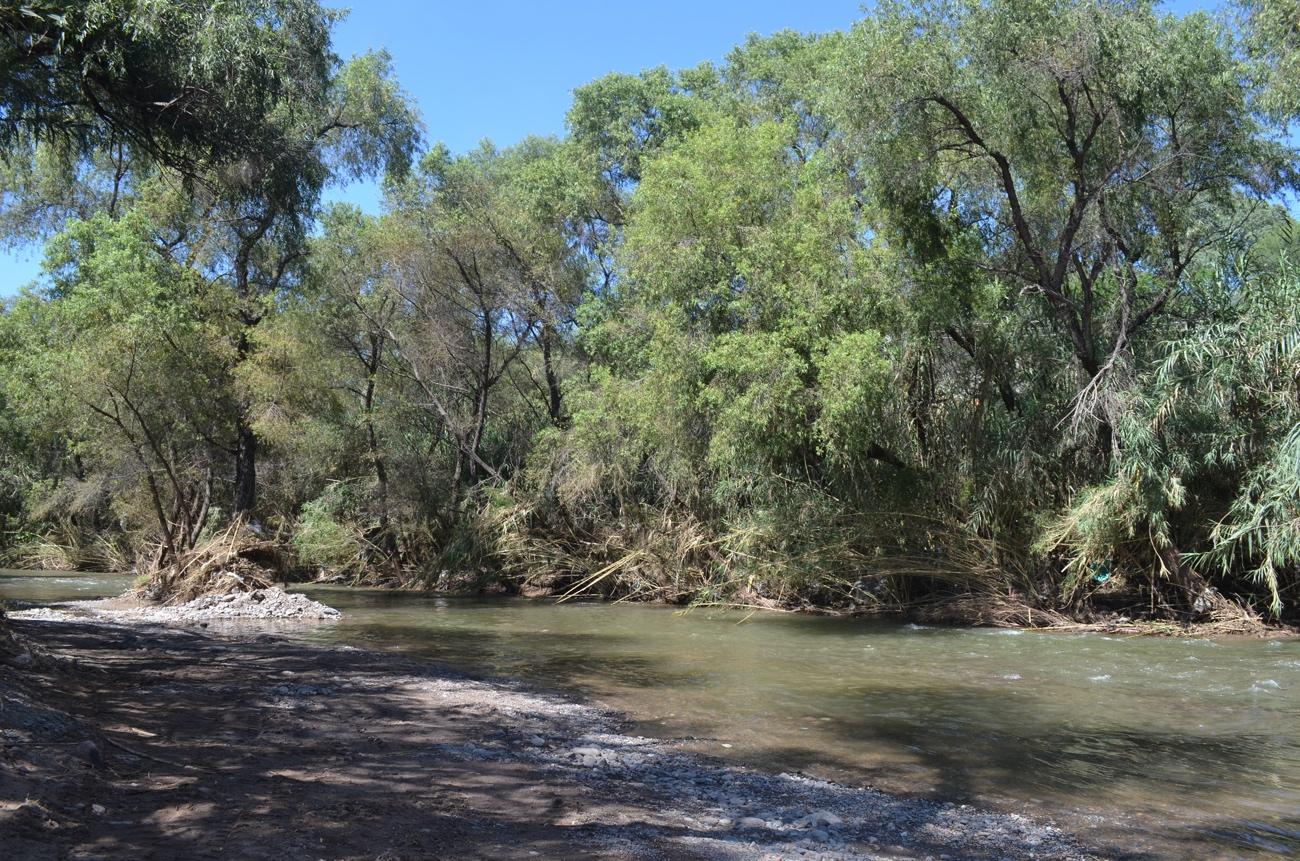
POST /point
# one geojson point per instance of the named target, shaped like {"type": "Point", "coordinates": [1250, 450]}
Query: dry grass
{"type": "Point", "coordinates": [66, 548]}
{"type": "Point", "coordinates": [655, 556]}
{"type": "Point", "coordinates": [44, 554]}
{"type": "Point", "coordinates": [772, 562]}
{"type": "Point", "coordinates": [924, 568]}
{"type": "Point", "coordinates": [991, 610]}
{"type": "Point", "coordinates": [1226, 618]}
{"type": "Point", "coordinates": [233, 560]}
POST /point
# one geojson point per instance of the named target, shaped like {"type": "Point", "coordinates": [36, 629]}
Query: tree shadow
{"type": "Point", "coordinates": [268, 750]}
{"type": "Point", "coordinates": [575, 662]}
{"type": "Point", "coordinates": [977, 745]}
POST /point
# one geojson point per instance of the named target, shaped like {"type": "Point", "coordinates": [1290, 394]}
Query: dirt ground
{"type": "Point", "coordinates": [136, 742]}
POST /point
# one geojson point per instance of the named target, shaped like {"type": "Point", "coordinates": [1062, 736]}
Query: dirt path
{"type": "Point", "coordinates": [136, 742]}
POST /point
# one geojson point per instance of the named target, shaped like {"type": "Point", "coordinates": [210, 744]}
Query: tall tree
{"type": "Point", "coordinates": [1092, 151]}
{"type": "Point", "coordinates": [490, 278]}
{"type": "Point", "coordinates": [350, 123]}
{"type": "Point", "coordinates": [319, 376]}
{"type": "Point", "coordinates": [127, 350]}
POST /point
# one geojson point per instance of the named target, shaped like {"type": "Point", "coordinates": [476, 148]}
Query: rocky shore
{"type": "Point", "coordinates": [126, 739]}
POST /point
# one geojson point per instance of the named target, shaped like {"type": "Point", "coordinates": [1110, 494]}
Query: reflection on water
{"type": "Point", "coordinates": [1194, 743]}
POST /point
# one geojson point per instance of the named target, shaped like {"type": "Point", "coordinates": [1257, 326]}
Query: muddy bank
{"type": "Point", "coordinates": [132, 741]}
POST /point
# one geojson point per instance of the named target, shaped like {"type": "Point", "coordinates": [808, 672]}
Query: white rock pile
{"type": "Point", "coordinates": [273, 603]}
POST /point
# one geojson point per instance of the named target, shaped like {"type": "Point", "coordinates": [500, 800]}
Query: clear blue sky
{"type": "Point", "coordinates": [503, 69]}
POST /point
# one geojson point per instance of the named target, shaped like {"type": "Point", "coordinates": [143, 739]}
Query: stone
{"type": "Point", "coordinates": [98, 809]}
{"type": "Point", "coordinates": [750, 822]}
{"type": "Point", "coordinates": [825, 817]}
{"type": "Point", "coordinates": [88, 751]}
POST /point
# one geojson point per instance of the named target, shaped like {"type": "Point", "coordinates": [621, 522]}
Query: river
{"type": "Point", "coordinates": [1171, 748]}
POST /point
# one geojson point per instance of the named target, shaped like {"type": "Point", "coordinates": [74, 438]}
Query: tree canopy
{"type": "Point", "coordinates": [980, 309]}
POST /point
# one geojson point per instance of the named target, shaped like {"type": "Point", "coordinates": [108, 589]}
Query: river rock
{"type": "Point", "coordinates": [825, 817]}
{"type": "Point", "coordinates": [88, 751]}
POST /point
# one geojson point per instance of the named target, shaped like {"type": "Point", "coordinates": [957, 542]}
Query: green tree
{"type": "Point", "coordinates": [320, 375]}
{"type": "Point", "coordinates": [1093, 152]}
{"type": "Point", "coordinates": [122, 359]}
{"type": "Point", "coordinates": [189, 83]}
{"type": "Point", "coordinates": [489, 281]}
{"type": "Point", "coordinates": [1272, 29]}
{"type": "Point", "coordinates": [356, 122]}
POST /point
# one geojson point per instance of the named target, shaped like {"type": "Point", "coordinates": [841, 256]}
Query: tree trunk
{"type": "Point", "coordinates": [245, 469]}
{"type": "Point", "coordinates": [245, 498]}
{"type": "Point", "coordinates": [385, 535]}
{"type": "Point", "coordinates": [554, 405]}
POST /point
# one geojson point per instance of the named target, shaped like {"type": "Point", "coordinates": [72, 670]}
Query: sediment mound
{"type": "Point", "coordinates": [259, 604]}
{"type": "Point", "coordinates": [271, 603]}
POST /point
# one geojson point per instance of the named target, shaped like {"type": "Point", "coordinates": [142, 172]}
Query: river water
{"type": "Point", "coordinates": [1167, 748]}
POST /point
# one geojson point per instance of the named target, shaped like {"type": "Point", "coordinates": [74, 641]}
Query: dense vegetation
{"type": "Point", "coordinates": [983, 309]}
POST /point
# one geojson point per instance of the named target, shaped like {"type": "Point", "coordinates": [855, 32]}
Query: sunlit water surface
{"type": "Point", "coordinates": [20, 589]}
{"type": "Point", "coordinates": [1178, 748]}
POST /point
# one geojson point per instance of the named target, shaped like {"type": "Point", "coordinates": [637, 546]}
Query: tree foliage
{"type": "Point", "coordinates": [980, 308]}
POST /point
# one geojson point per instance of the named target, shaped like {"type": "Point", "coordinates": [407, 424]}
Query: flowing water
{"type": "Point", "coordinates": [1160, 747]}
{"type": "Point", "coordinates": [34, 588]}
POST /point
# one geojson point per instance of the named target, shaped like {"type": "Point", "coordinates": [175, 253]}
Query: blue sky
{"type": "Point", "coordinates": [503, 70]}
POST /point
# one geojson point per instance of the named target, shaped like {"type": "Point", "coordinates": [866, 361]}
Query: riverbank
{"type": "Point", "coordinates": [130, 740]}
